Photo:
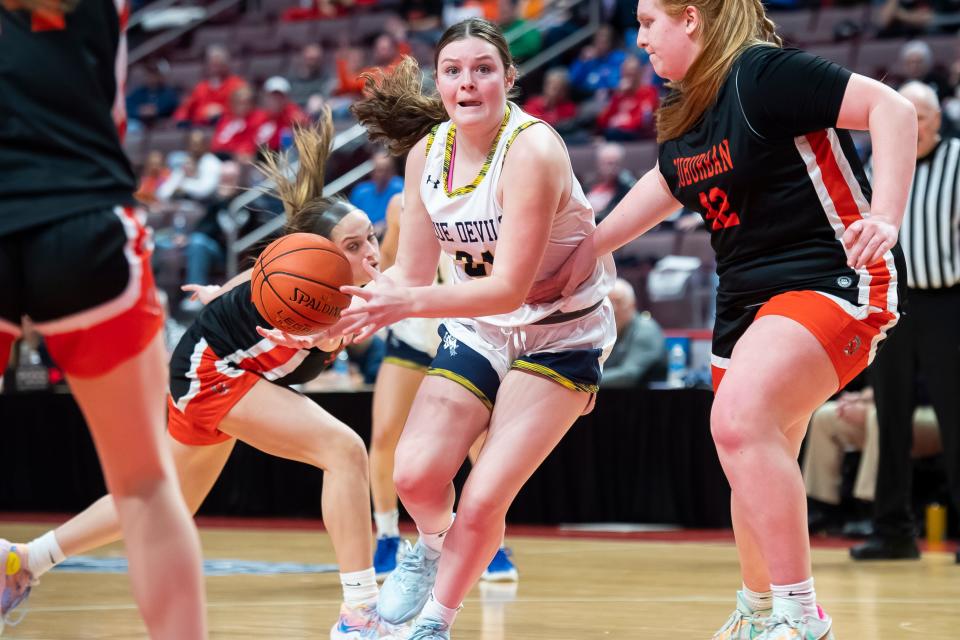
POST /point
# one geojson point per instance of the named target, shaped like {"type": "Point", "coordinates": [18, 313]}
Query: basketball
{"type": "Point", "coordinates": [296, 283]}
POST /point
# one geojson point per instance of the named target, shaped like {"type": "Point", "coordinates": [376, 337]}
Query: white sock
{"type": "Point", "coordinates": [388, 524]}
{"type": "Point", "coordinates": [436, 611]}
{"type": "Point", "coordinates": [757, 600]}
{"type": "Point", "coordinates": [802, 593]}
{"type": "Point", "coordinates": [44, 554]}
{"type": "Point", "coordinates": [359, 587]}
{"type": "Point", "coordinates": [434, 541]}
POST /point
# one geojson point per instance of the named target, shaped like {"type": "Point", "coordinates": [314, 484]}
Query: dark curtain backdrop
{"type": "Point", "coordinates": [642, 456]}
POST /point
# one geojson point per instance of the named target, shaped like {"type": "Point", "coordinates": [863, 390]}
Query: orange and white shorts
{"type": "Point", "coordinates": [86, 283]}
{"type": "Point", "coordinates": [849, 333]}
{"type": "Point", "coordinates": [205, 387]}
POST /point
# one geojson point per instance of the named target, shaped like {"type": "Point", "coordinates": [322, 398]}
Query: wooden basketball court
{"type": "Point", "coordinates": [570, 589]}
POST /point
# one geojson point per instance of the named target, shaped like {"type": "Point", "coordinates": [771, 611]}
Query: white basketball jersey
{"type": "Point", "coordinates": [421, 333]}
{"type": "Point", "coordinates": [466, 220]}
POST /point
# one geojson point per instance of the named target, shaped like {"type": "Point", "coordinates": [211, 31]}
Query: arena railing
{"type": "Point", "coordinates": [172, 34]}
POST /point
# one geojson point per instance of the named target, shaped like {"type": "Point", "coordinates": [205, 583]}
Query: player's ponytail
{"type": "Point", "coordinates": [306, 208]}
{"type": "Point", "coordinates": [395, 110]}
{"type": "Point", "coordinates": [767, 30]}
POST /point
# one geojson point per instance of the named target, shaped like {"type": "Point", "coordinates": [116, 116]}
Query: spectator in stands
{"type": "Point", "coordinates": [554, 105]}
{"type": "Point", "coordinates": [423, 18]}
{"type": "Point", "coordinates": [367, 356]}
{"type": "Point", "coordinates": [612, 181]}
{"type": "Point", "coordinates": [235, 135]}
{"type": "Point", "coordinates": [598, 67]}
{"type": "Point", "coordinates": [927, 340]}
{"type": "Point", "coordinates": [916, 63]}
{"type": "Point", "coordinates": [206, 247]}
{"type": "Point", "coordinates": [846, 424]}
{"type": "Point", "coordinates": [386, 54]}
{"type": "Point", "coordinates": [398, 28]}
{"type": "Point", "coordinates": [639, 354]}
{"type": "Point", "coordinates": [153, 100]}
{"type": "Point", "coordinates": [273, 124]}
{"type": "Point", "coordinates": [197, 176]}
{"type": "Point", "coordinates": [911, 18]}
{"type": "Point", "coordinates": [210, 97]}
{"type": "Point", "coordinates": [523, 37]}
{"type": "Point", "coordinates": [629, 114]}
{"type": "Point", "coordinates": [310, 80]}
{"type": "Point", "coordinates": [373, 195]}
{"type": "Point", "coordinates": [316, 10]}
{"type": "Point", "coordinates": [154, 174]}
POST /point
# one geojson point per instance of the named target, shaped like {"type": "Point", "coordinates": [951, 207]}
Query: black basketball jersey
{"type": "Point", "coordinates": [228, 326]}
{"type": "Point", "coordinates": [776, 182]}
{"type": "Point", "coordinates": [60, 152]}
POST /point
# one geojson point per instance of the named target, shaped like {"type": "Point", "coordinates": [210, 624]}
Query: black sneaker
{"type": "Point", "coordinates": [823, 518]}
{"type": "Point", "coordinates": [886, 548]}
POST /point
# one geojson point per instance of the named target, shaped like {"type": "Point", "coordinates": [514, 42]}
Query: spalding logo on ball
{"type": "Point", "coordinates": [296, 283]}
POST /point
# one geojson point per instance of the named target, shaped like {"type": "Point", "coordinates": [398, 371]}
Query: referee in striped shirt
{"type": "Point", "coordinates": [926, 340]}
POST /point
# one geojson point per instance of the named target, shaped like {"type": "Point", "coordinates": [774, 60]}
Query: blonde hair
{"type": "Point", "coordinates": [727, 27]}
{"type": "Point", "coordinates": [306, 208]}
{"type": "Point", "coordinates": [394, 108]}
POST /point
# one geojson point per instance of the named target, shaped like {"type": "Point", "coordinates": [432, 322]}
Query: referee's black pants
{"type": "Point", "coordinates": [927, 341]}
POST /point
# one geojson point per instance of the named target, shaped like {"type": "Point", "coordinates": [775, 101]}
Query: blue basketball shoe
{"type": "Point", "coordinates": [501, 568]}
{"type": "Point", "coordinates": [385, 556]}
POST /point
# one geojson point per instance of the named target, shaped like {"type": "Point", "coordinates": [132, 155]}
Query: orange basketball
{"type": "Point", "coordinates": [296, 283]}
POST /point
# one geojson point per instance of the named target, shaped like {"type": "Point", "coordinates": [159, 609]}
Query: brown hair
{"type": "Point", "coordinates": [306, 208]}
{"type": "Point", "coordinates": [727, 27]}
{"type": "Point", "coordinates": [395, 110]}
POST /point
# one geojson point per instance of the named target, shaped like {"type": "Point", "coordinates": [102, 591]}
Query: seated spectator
{"type": "Point", "coordinates": [386, 54]}
{"type": "Point", "coordinates": [849, 423]}
{"type": "Point", "coordinates": [640, 353]}
{"type": "Point", "coordinates": [629, 114]}
{"type": "Point", "coordinates": [235, 135]}
{"type": "Point", "coordinates": [527, 43]}
{"type": "Point", "coordinates": [554, 105]}
{"type": "Point", "coordinates": [916, 63]}
{"type": "Point", "coordinates": [423, 16]}
{"type": "Point", "coordinates": [210, 97]}
{"type": "Point", "coordinates": [373, 195]}
{"type": "Point", "coordinates": [197, 176]}
{"type": "Point", "coordinates": [206, 247]}
{"type": "Point", "coordinates": [273, 124]}
{"type": "Point", "coordinates": [612, 181]}
{"type": "Point", "coordinates": [155, 173]}
{"type": "Point", "coordinates": [598, 67]}
{"type": "Point", "coordinates": [367, 356]}
{"type": "Point", "coordinates": [153, 100]}
{"type": "Point", "coordinates": [318, 10]}
{"type": "Point", "coordinates": [899, 18]}
{"type": "Point", "coordinates": [310, 81]}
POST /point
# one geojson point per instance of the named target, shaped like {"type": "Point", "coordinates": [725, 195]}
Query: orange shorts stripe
{"type": "Point", "coordinates": [848, 341]}
{"type": "Point", "coordinates": [96, 350]}
{"type": "Point", "coordinates": [198, 423]}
